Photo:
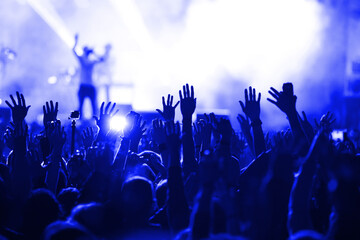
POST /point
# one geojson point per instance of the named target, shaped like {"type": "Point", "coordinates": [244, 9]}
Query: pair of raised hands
{"type": "Point", "coordinates": [285, 100]}
{"type": "Point", "coordinates": [187, 104]}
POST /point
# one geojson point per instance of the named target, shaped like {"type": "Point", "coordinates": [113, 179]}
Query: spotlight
{"type": "Point", "coordinates": [52, 80]}
{"type": "Point", "coordinates": [118, 123]}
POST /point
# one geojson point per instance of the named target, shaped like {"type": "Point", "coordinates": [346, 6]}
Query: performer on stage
{"type": "Point", "coordinates": [88, 59]}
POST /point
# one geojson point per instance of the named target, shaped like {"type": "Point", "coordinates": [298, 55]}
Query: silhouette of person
{"type": "Point", "coordinates": [88, 59]}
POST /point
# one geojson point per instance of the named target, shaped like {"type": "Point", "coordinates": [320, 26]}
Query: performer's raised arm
{"type": "Point", "coordinates": [75, 45]}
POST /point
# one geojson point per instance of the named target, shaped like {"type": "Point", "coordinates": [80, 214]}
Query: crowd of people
{"type": "Point", "coordinates": [171, 180]}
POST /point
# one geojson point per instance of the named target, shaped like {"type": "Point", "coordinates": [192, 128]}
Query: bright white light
{"type": "Point", "coordinates": [0, 101]}
{"type": "Point", "coordinates": [261, 42]}
{"type": "Point", "coordinates": [118, 123]}
{"type": "Point", "coordinates": [47, 11]}
{"type": "Point", "coordinates": [52, 80]}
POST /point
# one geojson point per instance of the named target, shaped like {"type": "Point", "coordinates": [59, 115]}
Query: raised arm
{"type": "Point", "coordinates": [286, 102]}
{"type": "Point", "coordinates": [187, 107]}
{"type": "Point", "coordinates": [19, 168]}
{"type": "Point", "coordinates": [168, 112]}
{"type": "Point", "coordinates": [251, 108]}
{"type": "Point", "coordinates": [76, 40]}
{"type": "Point", "coordinates": [103, 122]}
{"type": "Point", "coordinates": [178, 210]}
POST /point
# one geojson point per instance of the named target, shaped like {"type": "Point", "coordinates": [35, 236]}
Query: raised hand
{"type": "Point", "coordinates": [187, 101]}
{"type": "Point", "coordinates": [88, 137]}
{"type": "Point", "coordinates": [252, 106]}
{"type": "Point", "coordinates": [158, 132]}
{"type": "Point", "coordinates": [168, 112]}
{"type": "Point", "coordinates": [50, 112]}
{"type": "Point", "coordinates": [325, 122]}
{"type": "Point", "coordinates": [103, 122]}
{"type": "Point", "coordinates": [284, 100]}
{"type": "Point", "coordinates": [18, 110]}
{"type": "Point", "coordinates": [136, 127]}
{"type": "Point", "coordinates": [57, 137]}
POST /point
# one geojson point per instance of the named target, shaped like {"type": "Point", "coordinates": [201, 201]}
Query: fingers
{"type": "Point", "coordinates": [275, 91]}
{"type": "Point", "coordinates": [180, 95]}
{"type": "Point", "coordinates": [159, 111]}
{"type": "Point", "coordinates": [259, 97]}
{"type": "Point", "coordinates": [242, 106]}
{"type": "Point", "coordinates": [168, 100]}
{"type": "Point", "coordinates": [13, 100]}
{"type": "Point", "coordinates": [102, 108]}
{"type": "Point", "coordinates": [112, 108]}
{"type": "Point", "coordinates": [47, 107]}
{"type": "Point", "coordinates": [272, 101]}
{"type": "Point", "coordinates": [22, 100]}
{"type": "Point", "coordinates": [18, 98]}
{"type": "Point", "coordinates": [107, 107]}
{"type": "Point", "coordinates": [177, 104]}
{"type": "Point", "coordinates": [246, 95]}
{"type": "Point", "coordinates": [187, 90]}
{"type": "Point", "coordinates": [274, 95]}
{"type": "Point", "coordinates": [7, 103]}
{"type": "Point", "coordinates": [250, 93]}
{"type": "Point", "coordinates": [51, 106]}
{"type": "Point", "coordinates": [254, 95]}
